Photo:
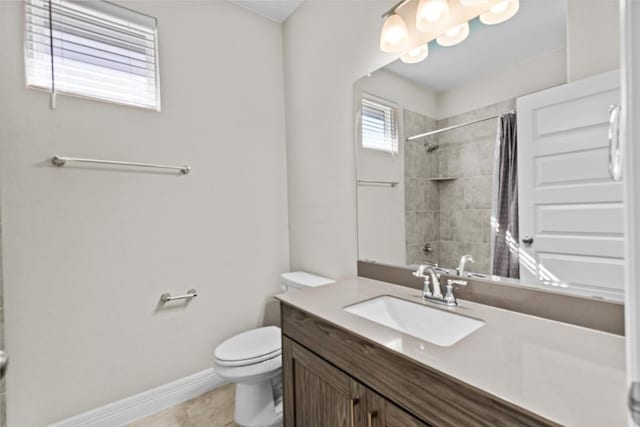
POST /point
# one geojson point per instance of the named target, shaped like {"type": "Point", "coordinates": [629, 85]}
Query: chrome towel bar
{"type": "Point", "coordinates": [391, 183]}
{"type": "Point", "coordinates": [62, 160]}
{"type": "Point", "coordinates": [166, 297]}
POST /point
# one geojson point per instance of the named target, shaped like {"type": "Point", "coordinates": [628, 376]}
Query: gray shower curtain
{"type": "Point", "coordinates": [506, 235]}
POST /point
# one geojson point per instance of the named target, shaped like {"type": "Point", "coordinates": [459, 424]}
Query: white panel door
{"type": "Point", "coordinates": [630, 125]}
{"type": "Point", "coordinates": [568, 203]}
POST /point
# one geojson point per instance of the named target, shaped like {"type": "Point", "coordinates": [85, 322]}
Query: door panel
{"type": "Point", "coordinates": [316, 393]}
{"type": "Point", "coordinates": [381, 412]}
{"type": "Point", "coordinates": [567, 201]}
{"type": "Point", "coordinates": [580, 219]}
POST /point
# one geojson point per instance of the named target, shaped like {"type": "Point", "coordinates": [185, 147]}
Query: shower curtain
{"type": "Point", "coordinates": [505, 257]}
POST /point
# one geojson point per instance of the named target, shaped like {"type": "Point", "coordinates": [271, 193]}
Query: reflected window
{"type": "Point", "coordinates": [379, 125]}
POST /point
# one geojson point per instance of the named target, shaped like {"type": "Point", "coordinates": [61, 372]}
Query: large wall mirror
{"type": "Point", "coordinates": [491, 157]}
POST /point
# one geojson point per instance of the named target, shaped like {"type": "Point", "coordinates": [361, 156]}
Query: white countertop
{"type": "Point", "coordinates": [569, 374]}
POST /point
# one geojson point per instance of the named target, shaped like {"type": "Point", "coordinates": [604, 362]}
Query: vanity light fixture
{"type": "Point", "coordinates": [431, 13]}
{"type": "Point", "coordinates": [432, 16]}
{"type": "Point", "coordinates": [473, 2]}
{"type": "Point", "coordinates": [500, 12]}
{"type": "Point", "coordinates": [416, 54]}
{"type": "Point", "coordinates": [454, 35]}
{"type": "Point", "coordinates": [394, 36]}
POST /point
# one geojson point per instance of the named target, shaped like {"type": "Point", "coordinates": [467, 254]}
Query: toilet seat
{"type": "Point", "coordinates": [250, 347]}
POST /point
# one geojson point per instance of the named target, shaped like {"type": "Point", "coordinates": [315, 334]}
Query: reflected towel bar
{"type": "Point", "coordinates": [61, 161]}
{"type": "Point", "coordinates": [390, 183]}
{"type": "Point", "coordinates": [166, 297]}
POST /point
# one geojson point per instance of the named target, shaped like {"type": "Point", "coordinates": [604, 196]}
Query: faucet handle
{"type": "Point", "coordinates": [449, 298]}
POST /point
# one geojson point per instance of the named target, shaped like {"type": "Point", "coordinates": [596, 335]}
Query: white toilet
{"type": "Point", "coordinates": [253, 361]}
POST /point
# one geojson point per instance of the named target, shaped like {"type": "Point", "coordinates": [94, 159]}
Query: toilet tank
{"type": "Point", "coordinates": [301, 279]}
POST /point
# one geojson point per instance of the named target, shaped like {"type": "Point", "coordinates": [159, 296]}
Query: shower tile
{"type": "Point", "coordinates": [420, 195]}
{"type": "Point", "coordinates": [445, 225]}
{"type": "Point", "coordinates": [478, 192]}
{"type": "Point", "coordinates": [432, 195]}
{"type": "Point", "coordinates": [427, 227]}
{"type": "Point", "coordinates": [451, 195]}
{"type": "Point", "coordinates": [414, 254]}
{"type": "Point", "coordinates": [411, 230]}
{"type": "Point", "coordinates": [487, 150]}
{"type": "Point", "coordinates": [410, 194]}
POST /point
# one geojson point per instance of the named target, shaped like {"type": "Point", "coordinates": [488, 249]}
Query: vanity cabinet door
{"type": "Point", "coordinates": [317, 394]}
{"type": "Point", "coordinates": [382, 413]}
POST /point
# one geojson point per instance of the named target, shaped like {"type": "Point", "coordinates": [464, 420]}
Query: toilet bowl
{"type": "Point", "coordinates": [253, 361]}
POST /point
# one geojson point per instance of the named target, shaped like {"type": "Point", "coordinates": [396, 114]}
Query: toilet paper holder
{"type": "Point", "coordinates": [166, 297]}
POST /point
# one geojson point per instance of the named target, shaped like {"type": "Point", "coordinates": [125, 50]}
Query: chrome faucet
{"type": "Point", "coordinates": [449, 298]}
{"type": "Point", "coordinates": [431, 279]}
{"type": "Point", "coordinates": [431, 291]}
{"type": "Point", "coordinates": [464, 259]}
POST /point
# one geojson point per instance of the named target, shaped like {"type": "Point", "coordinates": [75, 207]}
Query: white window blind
{"type": "Point", "coordinates": [93, 49]}
{"type": "Point", "coordinates": [379, 126]}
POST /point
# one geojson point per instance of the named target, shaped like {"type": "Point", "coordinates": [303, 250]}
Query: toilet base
{"type": "Point", "coordinates": [255, 405]}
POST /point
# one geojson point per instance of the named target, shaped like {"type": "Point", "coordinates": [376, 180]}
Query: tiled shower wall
{"type": "Point", "coordinates": [422, 203]}
{"type": "Point", "coordinates": [458, 212]}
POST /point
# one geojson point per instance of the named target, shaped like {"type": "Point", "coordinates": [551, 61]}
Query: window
{"type": "Point", "coordinates": [379, 128]}
{"type": "Point", "coordinates": [93, 49]}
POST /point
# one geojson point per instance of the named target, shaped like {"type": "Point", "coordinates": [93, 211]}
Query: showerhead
{"type": "Point", "coordinates": [431, 147]}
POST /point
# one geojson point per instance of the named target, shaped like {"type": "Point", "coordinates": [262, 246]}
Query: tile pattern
{"type": "Point", "coordinates": [454, 216]}
{"type": "Point", "coordinates": [212, 409]}
{"type": "Point", "coordinates": [422, 202]}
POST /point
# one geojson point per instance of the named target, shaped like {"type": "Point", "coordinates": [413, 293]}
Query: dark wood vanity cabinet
{"type": "Point", "coordinates": [317, 394]}
{"type": "Point", "coordinates": [334, 378]}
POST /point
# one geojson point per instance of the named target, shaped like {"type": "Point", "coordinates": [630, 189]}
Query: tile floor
{"type": "Point", "coordinates": [212, 409]}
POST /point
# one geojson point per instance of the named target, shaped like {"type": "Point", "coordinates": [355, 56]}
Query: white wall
{"type": "Point", "coordinates": [592, 37]}
{"type": "Point", "coordinates": [88, 252]}
{"type": "Point", "coordinates": [381, 216]}
{"type": "Point", "coordinates": [335, 43]}
{"type": "Point", "coordinates": [537, 73]}
{"type": "Point", "coordinates": [405, 93]}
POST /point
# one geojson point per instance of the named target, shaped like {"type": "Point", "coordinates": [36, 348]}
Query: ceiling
{"type": "Point", "coordinates": [276, 10]}
{"type": "Point", "coordinates": [538, 27]}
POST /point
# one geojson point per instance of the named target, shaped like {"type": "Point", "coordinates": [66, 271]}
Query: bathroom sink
{"type": "Point", "coordinates": [425, 323]}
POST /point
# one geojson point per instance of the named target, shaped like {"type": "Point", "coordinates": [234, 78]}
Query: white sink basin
{"type": "Point", "coordinates": [425, 323]}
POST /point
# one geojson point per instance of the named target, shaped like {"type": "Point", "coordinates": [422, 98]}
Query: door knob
{"type": "Point", "coordinates": [527, 240]}
{"type": "Point", "coordinates": [615, 149]}
{"type": "Point", "coordinates": [4, 362]}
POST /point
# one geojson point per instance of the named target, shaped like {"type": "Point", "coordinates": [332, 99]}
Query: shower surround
{"type": "Point", "coordinates": [453, 216]}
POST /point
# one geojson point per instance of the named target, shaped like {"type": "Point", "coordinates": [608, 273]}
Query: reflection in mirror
{"type": "Point", "coordinates": [490, 157]}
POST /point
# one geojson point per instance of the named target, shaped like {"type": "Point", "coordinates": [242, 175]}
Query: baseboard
{"type": "Point", "coordinates": [146, 403]}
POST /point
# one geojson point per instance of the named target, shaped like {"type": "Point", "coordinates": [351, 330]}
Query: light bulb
{"type": "Point", "coordinates": [500, 7]}
{"type": "Point", "coordinates": [394, 35]}
{"type": "Point", "coordinates": [416, 54]}
{"type": "Point", "coordinates": [500, 12]}
{"type": "Point", "coordinates": [454, 35]}
{"type": "Point", "coordinates": [431, 13]}
{"type": "Point", "coordinates": [452, 32]}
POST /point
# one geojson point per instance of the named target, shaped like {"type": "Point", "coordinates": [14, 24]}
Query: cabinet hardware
{"type": "Point", "coordinates": [370, 416]}
{"type": "Point", "coordinates": [354, 402]}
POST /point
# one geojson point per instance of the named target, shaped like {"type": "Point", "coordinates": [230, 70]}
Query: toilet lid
{"type": "Point", "coordinates": [249, 347]}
